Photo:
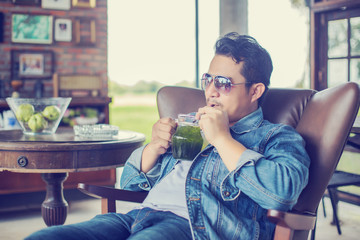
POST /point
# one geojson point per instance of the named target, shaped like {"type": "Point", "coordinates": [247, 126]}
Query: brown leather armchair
{"type": "Point", "coordinates": [324, 119]}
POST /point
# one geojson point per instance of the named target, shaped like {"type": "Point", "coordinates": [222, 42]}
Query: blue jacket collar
{"type": "Point", "coordinates": [249, 122]}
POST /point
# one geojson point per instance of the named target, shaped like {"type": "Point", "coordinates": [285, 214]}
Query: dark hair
{"type": "Point", "coordinates": [257, 66]}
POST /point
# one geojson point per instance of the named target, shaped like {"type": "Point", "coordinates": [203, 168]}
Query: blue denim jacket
{"type": "Point", "coordinates": [270, 174]}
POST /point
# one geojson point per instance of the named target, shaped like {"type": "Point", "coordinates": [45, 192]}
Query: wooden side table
{"type": "Point", "coordinates": [54, 156]}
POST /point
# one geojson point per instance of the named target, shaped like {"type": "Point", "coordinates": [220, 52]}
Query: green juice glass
{"type": "Point", "coordinates": [187, 141]}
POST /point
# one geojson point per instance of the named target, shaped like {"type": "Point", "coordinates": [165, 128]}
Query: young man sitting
{"type": "Point", "coordinates": [249, 166]}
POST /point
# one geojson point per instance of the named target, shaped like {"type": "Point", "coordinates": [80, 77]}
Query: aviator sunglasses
{"type": "Point", "coordinates": [222, 84]}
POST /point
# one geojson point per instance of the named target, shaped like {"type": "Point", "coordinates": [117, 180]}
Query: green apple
{"type": "Point", "coordinates": [51, 113]}
{"type": "Point", "coordinates": [24, 112]}
{"type": "Point", "coordinates": [37, 122]}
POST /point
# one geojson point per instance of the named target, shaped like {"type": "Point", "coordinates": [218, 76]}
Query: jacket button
{"type": "Point", "coordinates": [226, 193]}
{"type": "Point", "coordinates": [145, 185]}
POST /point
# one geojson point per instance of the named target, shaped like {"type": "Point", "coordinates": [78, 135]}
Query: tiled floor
{"type": "Point", "coordinates": [17, 225]}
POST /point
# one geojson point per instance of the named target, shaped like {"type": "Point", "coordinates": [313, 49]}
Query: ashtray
{"type": "Point", "coordinates": [96, 131]}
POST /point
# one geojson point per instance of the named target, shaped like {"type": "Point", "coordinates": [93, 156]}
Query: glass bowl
{"type": "Point", "coordinates": [38, 115]}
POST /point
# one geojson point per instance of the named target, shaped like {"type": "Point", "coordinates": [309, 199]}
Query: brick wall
{"type": "Point", "coordinates": [69, 57]}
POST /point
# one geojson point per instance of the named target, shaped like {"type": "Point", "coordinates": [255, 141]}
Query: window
{"type": "Point", "coordinates": [343, 62]}
{"type": "Point", "coordinates": [335, 44]}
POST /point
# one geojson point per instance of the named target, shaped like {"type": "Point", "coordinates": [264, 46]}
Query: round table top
{"type": "Point", "coordinates": [64, 152]}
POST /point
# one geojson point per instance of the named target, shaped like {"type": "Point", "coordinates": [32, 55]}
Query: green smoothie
{"type": "Point", "coordinates": [186, 142]}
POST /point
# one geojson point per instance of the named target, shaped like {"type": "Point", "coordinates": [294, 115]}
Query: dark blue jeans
{"type": "Point", "coordinates": [138, 224]}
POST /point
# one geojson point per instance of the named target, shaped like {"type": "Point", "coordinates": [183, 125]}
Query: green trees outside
{"type": "Point", "coordinates": [141, 87]}
{"type": "Point", "coordinates": [136, 116]}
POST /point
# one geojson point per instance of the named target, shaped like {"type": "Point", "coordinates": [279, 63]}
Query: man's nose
{"type": "Point", "coordinates": [211, 90]}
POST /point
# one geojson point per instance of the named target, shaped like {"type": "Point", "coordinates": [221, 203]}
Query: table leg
{"type": "Point", "coordinates": [54, 208]}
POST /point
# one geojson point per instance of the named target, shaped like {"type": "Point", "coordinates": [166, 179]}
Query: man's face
{"type": "Point", "coordinates": [239, 102]}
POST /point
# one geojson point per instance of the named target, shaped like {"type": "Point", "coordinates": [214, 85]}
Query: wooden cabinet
{"type": "Point", "coordinates": [31, 182]}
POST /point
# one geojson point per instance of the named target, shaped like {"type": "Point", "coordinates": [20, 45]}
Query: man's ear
{"type": "Point", "coordinates": [257, 90]}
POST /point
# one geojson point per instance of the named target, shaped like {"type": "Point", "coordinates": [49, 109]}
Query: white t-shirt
{"type": "Point", "coordinates": [169, 193]}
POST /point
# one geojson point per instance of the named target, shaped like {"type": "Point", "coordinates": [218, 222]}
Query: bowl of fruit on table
{"type": "Point", "coordinates": [38, 115]}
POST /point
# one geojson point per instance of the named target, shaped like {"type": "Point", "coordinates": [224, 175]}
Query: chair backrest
{"type": "Point", "coordinates": [324, 120]}
{"type": "Point", "coordinates": [325, 125]}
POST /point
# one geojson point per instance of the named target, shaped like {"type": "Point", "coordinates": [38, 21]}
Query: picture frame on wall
{"type": "Point", "coordinates": [84, 3]}
{"type": "Point", "coordinates": [28, 28]}
{"type": "Point", "coordinates": [27, 2]}
{"type": "Point", "coordinates": [85, 31]}
{"type": "Point", "coordinates": [56, 4]}
{"type": "Point", "coordinates": [63, 30]}
{"type": "Point", "coordinates": [32, 64]}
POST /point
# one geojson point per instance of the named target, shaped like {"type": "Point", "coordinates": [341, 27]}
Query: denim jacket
{"type": "Point", "coordinates": [270, 174]}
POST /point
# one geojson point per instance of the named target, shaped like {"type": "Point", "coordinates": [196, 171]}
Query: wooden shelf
{"type": "Point", "coordinates": [75, 102]}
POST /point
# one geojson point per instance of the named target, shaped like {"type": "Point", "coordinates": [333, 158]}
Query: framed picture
{"type": "Point", "coordinates": [28, 28]}
{"type": "Point", "coordinates": [63, 30]}
{"type": "Point", "coordinates": [31, 64]}
{"type": "Point", "coordinates": [56, 4]}
{"type": "Point", "coordinates": [85, 31]}
{"type": "Point", "coordinates": [84, 3]}
{"type": "Point", "coordinates": [27, 2]}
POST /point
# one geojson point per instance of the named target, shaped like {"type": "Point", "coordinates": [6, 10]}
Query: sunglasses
{"type": "Point", "coordinates": [222, 84]}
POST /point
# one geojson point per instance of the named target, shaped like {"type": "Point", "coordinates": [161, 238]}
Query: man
{"type": "Point", "coordinates": [249, 166]}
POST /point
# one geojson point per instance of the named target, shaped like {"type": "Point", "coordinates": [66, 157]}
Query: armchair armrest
{"type": "Point", "coordinates": [296, 221]}
{"type": "Point", "coordinates": [289, 222]}
{"type": "Point", "coordinates": [110, 195]}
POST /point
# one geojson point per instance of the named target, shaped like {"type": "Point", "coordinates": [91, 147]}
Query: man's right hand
{"type": "Point", "coordinates": [162, 132]}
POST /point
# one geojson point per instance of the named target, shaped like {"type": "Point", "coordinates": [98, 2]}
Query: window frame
{"type": "Point", "coordinates": [321, 12]}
